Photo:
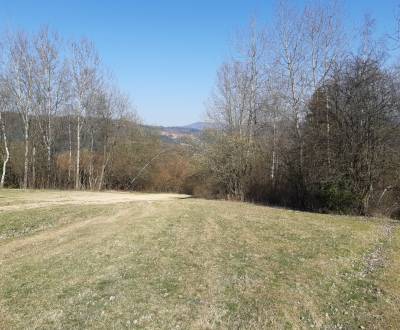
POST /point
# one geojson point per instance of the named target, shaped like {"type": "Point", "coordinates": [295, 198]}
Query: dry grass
{"type": "Point", "coordinates": [13, 200]}
{"type": "Point", "coordinates": [119, 262]}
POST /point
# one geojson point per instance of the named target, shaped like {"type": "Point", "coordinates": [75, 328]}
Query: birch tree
{"type": "Point", "coordinates": [4, 108]}
{"type": "Point", "coordinates": [51, 83]}
{"type": "Point", "coordinates": [236, 106]}
{"type": "Point", "coordinates": [291, 59]}
{"type": "Point", "coordinates": [21, 86]}
{"type": "Point", "coordinates": [323, 37]}
{"type": "Point", "coordinates": [85, 79]}
{"type": "Point", "coordinates": [4, 104]}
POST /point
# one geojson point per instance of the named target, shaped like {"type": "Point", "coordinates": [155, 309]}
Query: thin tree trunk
{"type": "Point", "coordinates": [26, 161]}
{"type": "Point", "coordinates": [49, 154]}
{"type": "Point", "coordinates": [273, 153]}
{"type": "Point", "coordinates": [328, 139]}
{"type": "Point", "coordinates": [91, 170]}
{"type": "Point", "coordinates": [70, 152]}
{"type": "Point", "coordinates": [33, 167]}
{"type": "Point", "coordinates": [48, 166]}
{"type": "Point", "coordinates": [146, 165]}
{"type": "Point", "coordinates": [103, 167]}
{"type": "Point", "coordinates": [383, 194]}
{"type": "Point", "coordinates": [3, 174]}
{"type": "Point", "coordinates": [366, 199]}
{"type": "Point", "coordinates": [301, 150]}
{"type": "Point", "coordinates": [78, 149]}
{"type": "Point", "coordinates": [49, 133]}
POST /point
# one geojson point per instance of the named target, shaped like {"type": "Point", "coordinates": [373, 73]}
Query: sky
{"type": "Point", "coordinates": [165, 53]}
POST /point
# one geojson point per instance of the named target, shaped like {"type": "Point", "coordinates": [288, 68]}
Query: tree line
{"type": "Point", "coordinates": [64, 121]}
{"type": "Point", "coordinates": [66, 124]}
{"type": "Point", "coordinates": [303, 115]}
{"type": "Point", "coordinates": [307, 117]}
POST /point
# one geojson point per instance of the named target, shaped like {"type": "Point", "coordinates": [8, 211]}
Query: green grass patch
{"type": "Point", "coordinates": [25, 222]}
{"type": "Point", "coordinates": [196, 264]}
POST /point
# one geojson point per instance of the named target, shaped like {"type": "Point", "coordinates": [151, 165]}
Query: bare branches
{"type": "Point", "coordinates": [60, 94]}
{"type": "Point", "coordinates": [21, 84]}
{"type": "Point", "coordinates": [318, 116]}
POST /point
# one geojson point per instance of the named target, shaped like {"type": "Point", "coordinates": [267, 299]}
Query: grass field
{"type": "Point", "coordinates": [126, 261]}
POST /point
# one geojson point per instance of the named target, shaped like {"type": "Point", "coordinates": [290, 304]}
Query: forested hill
{"type": "Point", "coordinates": [167, 133]}
{"type": "Point", "coordinates": [116, 153]}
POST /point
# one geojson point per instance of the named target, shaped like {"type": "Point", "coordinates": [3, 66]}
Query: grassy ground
{"type": "Point", "coordinates": [187, 263]}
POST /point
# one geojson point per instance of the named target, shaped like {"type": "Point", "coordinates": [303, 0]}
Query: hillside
{"type": "Point", "coordinates": [122, 260]}
{"type": "Point", "coordinates": [174, 134]}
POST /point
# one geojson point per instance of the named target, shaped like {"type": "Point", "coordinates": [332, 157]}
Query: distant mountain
{"type": "Point", "coordinates": [177, 133]}
{"type": "Point", "coordinates": [200, 125]}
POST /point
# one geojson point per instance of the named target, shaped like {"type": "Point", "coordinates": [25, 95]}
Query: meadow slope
{"type": "Point", "coordinates": [126, 261]}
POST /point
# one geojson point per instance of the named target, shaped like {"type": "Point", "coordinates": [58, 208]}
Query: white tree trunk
{"type": "Point", "coordinates": [26, 161]}
{"type": "Point", "coordinates": [328, 138]}
{"type": "Point", "coordinates": [48, 166]}
{"type": "Point", "coordinates": [273, 152]}
{"type": "Point", "coordinates": [78, 150]}
{"type": "Point", "coordinates": [3, 174]}
{"type": "Point", "coordinates": [91, 166]}
{"type": "Point", "coordinates": [48, 146]}
{"type": "Point", "coordinates": [33, 167]}
{"type": "Point", "coordinates": [70, 152]}
{"type": "Point", "coordinates": [101, 179]}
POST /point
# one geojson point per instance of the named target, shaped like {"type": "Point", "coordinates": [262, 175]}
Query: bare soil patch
{"type": "Point", "coordinates": [45, 199]}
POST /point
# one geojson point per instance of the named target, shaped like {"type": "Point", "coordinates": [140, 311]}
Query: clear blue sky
{"type": "Point", "coordinates": [164, 53]}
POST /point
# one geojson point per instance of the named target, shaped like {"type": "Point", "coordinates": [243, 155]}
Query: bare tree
{"type": "Point", "coordinates": [4, 107]}
{"type": "Point", "coordinates": [323, 36]}
{"type": "Point", "coordinates": [291, 59]}
{"type": "Point", "coordinates": [51, 80]}
{"type": "Point", "coordinates": [85, 81]}
{"type": "Point", "coordinates": [4, 104]}
{"type": "Point", "coordinates": [115, 107]}
{"type": "Point", "coordinates": [21, 85]}
{"type": "Point", "coordinates": [56, 93]}
{"type": "Point", "coordinates": [236, 107]}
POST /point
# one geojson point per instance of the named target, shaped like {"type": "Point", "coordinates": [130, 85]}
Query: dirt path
{"type": "Point", "coordinates": [377, 257]}
{"type": "Point", "coordinates": [25, 245]}
{"type": "Point", "coordinates": [44, 199]}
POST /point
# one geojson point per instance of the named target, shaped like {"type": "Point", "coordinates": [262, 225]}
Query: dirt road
{"type": "Point", "coordinates": [35, 199]}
